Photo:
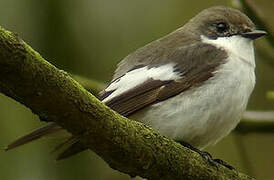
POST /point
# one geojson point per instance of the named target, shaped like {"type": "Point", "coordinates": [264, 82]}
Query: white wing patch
{"type": "Point", "coordinates": [138, 76]}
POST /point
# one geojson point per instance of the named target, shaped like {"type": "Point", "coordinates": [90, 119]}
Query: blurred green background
{"type": "Point", "coordinates": [89, 38]}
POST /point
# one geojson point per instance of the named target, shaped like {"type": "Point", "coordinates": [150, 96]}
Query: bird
{"type": "Point", "coordinates": [191, 85]}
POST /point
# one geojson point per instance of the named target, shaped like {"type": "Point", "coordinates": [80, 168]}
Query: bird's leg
{"type": "Point", "coordinates": [225, 164]}
{"type": "Point", "coordinates": [206, 156]}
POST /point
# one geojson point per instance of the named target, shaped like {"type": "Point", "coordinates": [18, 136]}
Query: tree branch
{"type": "Point", "coordinates": [92, 86]}
{"type": "Point", "coordinates": [256, 121]}
{"type": "Point", "coordinates": [126, 145]}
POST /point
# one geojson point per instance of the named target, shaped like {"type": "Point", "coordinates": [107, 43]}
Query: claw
{"type": "Point", "coordinates": [207, 156]}
{"type": "Point", "coordinates": [225, 164]}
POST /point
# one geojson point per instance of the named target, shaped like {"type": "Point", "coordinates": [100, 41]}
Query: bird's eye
{"type": "Point", "coordinates": [221, 27]}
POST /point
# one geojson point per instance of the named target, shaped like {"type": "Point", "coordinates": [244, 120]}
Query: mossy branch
{"type": "Point", "coordinates": [126, 145]}
{"type": "Point", "coordinates": [93, 86]}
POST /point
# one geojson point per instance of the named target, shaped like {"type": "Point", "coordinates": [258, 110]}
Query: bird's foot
{"type": "Point", "coordinates": [225, 164]}
{"type": "Point", "coordinates": [207, 156]}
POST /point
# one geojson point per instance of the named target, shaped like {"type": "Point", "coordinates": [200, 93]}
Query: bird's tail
{"type": "Point", "coordinates": [34, 135]}
{"type": "Point", "coordinates": [66, 149]}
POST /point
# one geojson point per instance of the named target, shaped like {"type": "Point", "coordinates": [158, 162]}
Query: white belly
{"type": "Point", "coordinates": [202, 116]}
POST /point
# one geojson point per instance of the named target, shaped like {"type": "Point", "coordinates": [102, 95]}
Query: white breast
{"type": "Point", "coordinates": [204, 115]}
{"type": "Point", "coordinates": [236, 46]}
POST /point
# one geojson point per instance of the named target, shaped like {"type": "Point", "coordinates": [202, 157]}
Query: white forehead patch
{"type": "Point", "coordinates": [138, 76]}
{"type": "Point", "coordinates": [235, 45]}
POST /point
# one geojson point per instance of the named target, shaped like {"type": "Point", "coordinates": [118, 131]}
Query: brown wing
{"type": "Point", "coordinates": [195, 67]}
{"type": "Point", "coordinates": [140, 96]}
{"type": "Point", "coordinates": [152, 92]}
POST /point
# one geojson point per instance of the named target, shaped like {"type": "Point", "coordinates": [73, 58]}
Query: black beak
{"type": "Point", "coordinates": [254, 34]}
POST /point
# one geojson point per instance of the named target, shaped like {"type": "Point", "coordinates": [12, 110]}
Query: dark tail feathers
{"type": "Point", "coordinates": [68, 148]}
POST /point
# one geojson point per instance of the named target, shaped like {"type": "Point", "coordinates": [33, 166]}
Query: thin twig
{"type": "Point", "coordinates": [259, 116]}
{"type": "Point", "coordinates": [256, 121]}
